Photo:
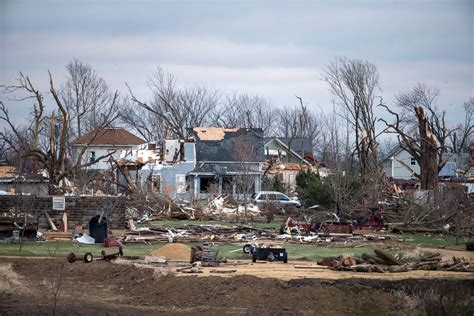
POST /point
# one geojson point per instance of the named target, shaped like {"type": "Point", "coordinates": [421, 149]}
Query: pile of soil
{"type": "Point", "coordinates": [175, 251]}
{"type": "Point", "coordinates": [108, 288]}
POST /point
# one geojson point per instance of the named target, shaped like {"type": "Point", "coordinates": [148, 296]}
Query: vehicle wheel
{"type": "Point", "coordinates": [470, 246]}
{"type": "Point", "coordinates": [88, 257]}
{"type": "Point", "coordinates": [247, 248]}
{"type": "Point", "coordinates": [254, 257]}
{"type": "Point", "coordinates": [71, 257]}
{"type": "Point", "coordinates": [285, 258]}
{"type": "Point", "coordinates": [270, 257]}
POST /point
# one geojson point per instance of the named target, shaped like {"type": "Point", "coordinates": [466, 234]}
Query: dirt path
{"type": "Point", "coordinates": [289, 272]}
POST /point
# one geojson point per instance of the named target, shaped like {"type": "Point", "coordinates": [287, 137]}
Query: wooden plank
{"type": "Point", "coordinates": [50, 221]}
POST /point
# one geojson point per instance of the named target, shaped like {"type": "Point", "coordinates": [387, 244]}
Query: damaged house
{"type": "Point", "coordinates": [100, 143]}
{"type": "Point", "coordinates": [210, 161]}
{"type": "Point", "coordinates": [228, 160]}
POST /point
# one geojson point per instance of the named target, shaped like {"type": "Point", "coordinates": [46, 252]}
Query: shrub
{"type": "Point", "coordinates": [312, 190]}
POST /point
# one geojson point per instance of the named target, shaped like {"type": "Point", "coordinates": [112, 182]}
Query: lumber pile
{"type": "Point", "coordinates": [57, 235]}
{"type": "Point", "coordinates": [382, 261]}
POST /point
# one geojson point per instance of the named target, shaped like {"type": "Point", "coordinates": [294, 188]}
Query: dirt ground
{"type": "Point", "coordinates": [36, 286]}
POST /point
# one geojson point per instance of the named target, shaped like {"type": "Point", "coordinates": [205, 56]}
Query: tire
{"type": "Point", "coordinates": [470, 246]}
{"type": "Point", "coordinates": [254, 257]}
{"type": "Point", "coordinates": [285, 258]}
{"type": "Point", "coordinates": [247, 248]}
{"type": "Point", "coordinates": [71, 257]}
{"type": "Point", "coordinates": [88, 257]}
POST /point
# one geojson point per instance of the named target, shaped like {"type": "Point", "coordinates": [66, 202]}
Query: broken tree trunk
{"type": "Point", "coordinates": [428, 152]}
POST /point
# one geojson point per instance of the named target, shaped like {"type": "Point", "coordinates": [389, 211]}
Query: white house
{"type": "Point", "coordinates": [399, 164]}
{"type": "Point", "coordinates": [99, 143]}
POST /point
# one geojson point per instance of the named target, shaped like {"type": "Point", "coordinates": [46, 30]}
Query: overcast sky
{"type": "Point", "coordinates": [272, 48]}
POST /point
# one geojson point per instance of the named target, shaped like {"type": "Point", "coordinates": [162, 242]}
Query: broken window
{"type": "Point", "coordinates": [91, 156]}
{"type": "Point", "coordinates": [207, 184]}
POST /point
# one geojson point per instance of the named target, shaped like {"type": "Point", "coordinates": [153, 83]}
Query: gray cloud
{"type": "Point", "coordinates": [275, 49]}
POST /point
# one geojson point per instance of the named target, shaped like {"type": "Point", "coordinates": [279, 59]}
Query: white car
{"type": "Point", "coordinates": [275, 197]}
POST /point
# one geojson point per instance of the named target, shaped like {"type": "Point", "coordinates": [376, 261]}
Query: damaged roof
{"type": "Point", "coordinates": [212, 133]}
{"type": "Point", "coordinates": [228, 144]}
{"type": "Point", "coordinates": [109, 136]}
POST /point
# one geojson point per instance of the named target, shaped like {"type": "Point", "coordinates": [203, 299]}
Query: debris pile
{"type": "Point", "coordinates": [383, 261]}
{"type": "Point", "coordinates": [196, 233]}
{"type": "Point", "coordinates": [224, 206]}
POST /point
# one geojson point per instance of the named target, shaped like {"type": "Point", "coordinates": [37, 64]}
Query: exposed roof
{"type": "Point", "coordinates": [109, 136]}
{"type": "Point", "coordinates": [7, 172]}
{"type": "Point", "coordinates": [212, 133]}
{"type": "Point", "coordinates": [237, 145]}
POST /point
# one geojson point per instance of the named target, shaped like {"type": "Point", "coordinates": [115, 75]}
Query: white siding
{"type": "Point", "coordinates": [396, 168]}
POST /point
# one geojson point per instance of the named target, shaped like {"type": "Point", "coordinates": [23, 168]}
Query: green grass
{"type": "Point", "coordinates": [424, 240]}
{"type": "Point", "coordinates": [62, 248]}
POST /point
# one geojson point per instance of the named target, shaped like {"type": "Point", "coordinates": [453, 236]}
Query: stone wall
{"type": "Point", "coordinates": [80, 209]}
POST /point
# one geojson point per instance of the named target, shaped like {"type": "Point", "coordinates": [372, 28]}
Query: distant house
{"type": "Point", "coordinates": [291, 150]}
{"type": "Point", "coordinates": [99, 143]}
{"type": "Point", "coordinates": [285, 157]}
{"type": "Point", "coordinates": [399, 164]}
{"type": "Point", "coordinates": [228, 160]}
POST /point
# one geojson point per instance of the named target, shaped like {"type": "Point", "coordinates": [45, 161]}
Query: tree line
{"type": "Point", "coordinates": [345, 138]}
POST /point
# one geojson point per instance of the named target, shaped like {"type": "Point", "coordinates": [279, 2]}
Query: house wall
{"type": "Point", "coordinates": [80, 209]}
{"type": "Point", "coordinates": [102, 164]}
{"type": "Point", "coordinates": [393, 168]}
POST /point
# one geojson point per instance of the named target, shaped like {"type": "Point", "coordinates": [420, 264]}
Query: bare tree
{"type": "Point", "coordinates": [464, 132]}
{"type": "Point", "coordinates": [178, 108]}
{"type": "Point", "coordinates": [354, 83]}
{"type": "Point", "coordinates": [29, 142]}
{"type": "Point", "coordinates": [245, 110]}
{"type": "Point", "coordinates": [143, 122]}
{"type": "Point", "coordinates": [87, 98]}
{"type": "Point", "coordinates": [421, 131]}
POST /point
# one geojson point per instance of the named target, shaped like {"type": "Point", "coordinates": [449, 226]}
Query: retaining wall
{"type": "Point", "coordinates": [80, 209]}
